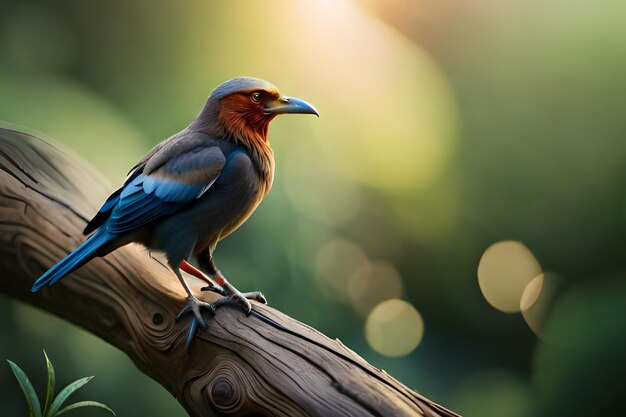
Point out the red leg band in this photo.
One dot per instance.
(221, 281)
(192, 270)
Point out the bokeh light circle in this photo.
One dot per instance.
(394, 328)
(537, 300)
(531, 293)
(504, 271)
(336, 262)
(374, 282)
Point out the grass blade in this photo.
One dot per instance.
(32, 402)
(84, 404)
(51, 382)
(65, 393)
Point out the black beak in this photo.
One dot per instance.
(285, 105)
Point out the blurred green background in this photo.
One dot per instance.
(457, 214)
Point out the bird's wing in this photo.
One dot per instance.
(164, 191)
(169, 148)
(173, 176)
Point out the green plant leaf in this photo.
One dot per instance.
(32, 402)
(84, 404)
(51, 382)
(65, 393)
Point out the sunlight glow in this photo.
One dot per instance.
(387, 112)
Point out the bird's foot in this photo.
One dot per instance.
(193, 308)
(241, 300)
(215, 288)
(232, 296)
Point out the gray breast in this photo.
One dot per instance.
(230, 201)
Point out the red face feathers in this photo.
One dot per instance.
(241, 109)
(244, 115)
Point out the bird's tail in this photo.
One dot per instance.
(80, 256)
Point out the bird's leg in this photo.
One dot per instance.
(192, 305)
(231, 294)
(192, 270)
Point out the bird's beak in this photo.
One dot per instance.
(284, 105)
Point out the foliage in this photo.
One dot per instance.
(52, 405)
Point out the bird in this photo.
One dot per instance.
(191, 191)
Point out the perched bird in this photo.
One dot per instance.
(192, 190)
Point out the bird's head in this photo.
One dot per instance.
(243, 108)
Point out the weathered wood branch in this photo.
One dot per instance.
(265, 364)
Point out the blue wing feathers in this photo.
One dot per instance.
(81, 255)
(174, 191)
(103, 213)
(157, 187)
(148, 198)
(108, 206)
(134, 217)
(111, 201)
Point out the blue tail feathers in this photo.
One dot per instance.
(80, 256)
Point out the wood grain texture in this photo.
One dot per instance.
(265, 364)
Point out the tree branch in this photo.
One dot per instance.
(265, 364)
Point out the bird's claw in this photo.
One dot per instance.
(191, 333)
(255, 295)
(241, 300)
(193, 307)
(233, 296)
(230, 296)
(215, 288)
(236, 299)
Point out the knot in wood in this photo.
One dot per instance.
(157, 324)
(157, 319)
(224, 395)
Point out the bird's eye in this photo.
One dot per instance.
(256, 96)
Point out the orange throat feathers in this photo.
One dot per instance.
(249, 125)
